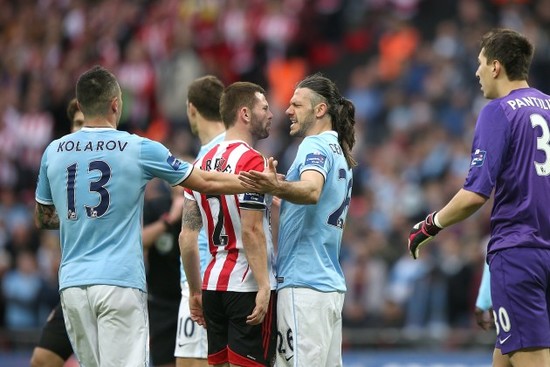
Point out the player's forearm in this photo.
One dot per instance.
(462, 205)
(215, 183)
(190, 258)
(256, 254)
(45, 217)
(298, 192)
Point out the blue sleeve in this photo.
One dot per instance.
(159, 162)
(43, 193)
(313, 155)
(483, 300)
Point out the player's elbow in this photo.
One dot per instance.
(181, 241)
(472, 200)
(253, 234)
(312, 197)
(186, 243)
(38, 358)
(211, 187)
(37, 223)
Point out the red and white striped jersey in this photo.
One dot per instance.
(228, 269)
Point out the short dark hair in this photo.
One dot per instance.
(235, 96)
(511, 49)
(95, 90)
(205, 94)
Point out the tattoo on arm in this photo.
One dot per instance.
(46, 216)
(191, 217)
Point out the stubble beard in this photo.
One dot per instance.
(303, 127)
(259, 131)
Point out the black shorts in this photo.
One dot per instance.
(54, 335)
(230, 338)
(163, 327)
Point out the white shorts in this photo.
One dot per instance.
(191, 339)
(309, 328)
(107, 325)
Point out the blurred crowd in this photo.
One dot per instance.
(408, 66)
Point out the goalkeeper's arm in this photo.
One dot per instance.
(461, 206)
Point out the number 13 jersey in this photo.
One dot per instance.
(96, 179)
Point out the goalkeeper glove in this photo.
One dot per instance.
(422, 233)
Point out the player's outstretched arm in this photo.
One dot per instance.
(213, 182)
(266, 181)
(461, 206)
(305, 191)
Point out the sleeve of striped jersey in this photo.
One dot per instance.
(252, 200)
(188, 194)
(253, 161)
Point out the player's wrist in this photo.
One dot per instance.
(436, 220)
(430, 225)
(279, 189)
(264, 286)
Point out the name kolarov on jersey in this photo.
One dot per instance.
(529, 102)
(91, 146)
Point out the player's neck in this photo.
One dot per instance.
(320, 126)
(98, 122)
(510, 86)
(98, 126)
(209, 130)
(234, 133)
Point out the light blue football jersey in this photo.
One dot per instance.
(204, 253)
(96, 178)
(310, 236)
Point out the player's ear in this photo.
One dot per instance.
(320, 109)
(496, 68)
(115, 104)
(245, 114)
(191, 109)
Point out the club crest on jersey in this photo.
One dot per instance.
(478, 158)
(174, 162)
(316, 159)
(218, 164)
